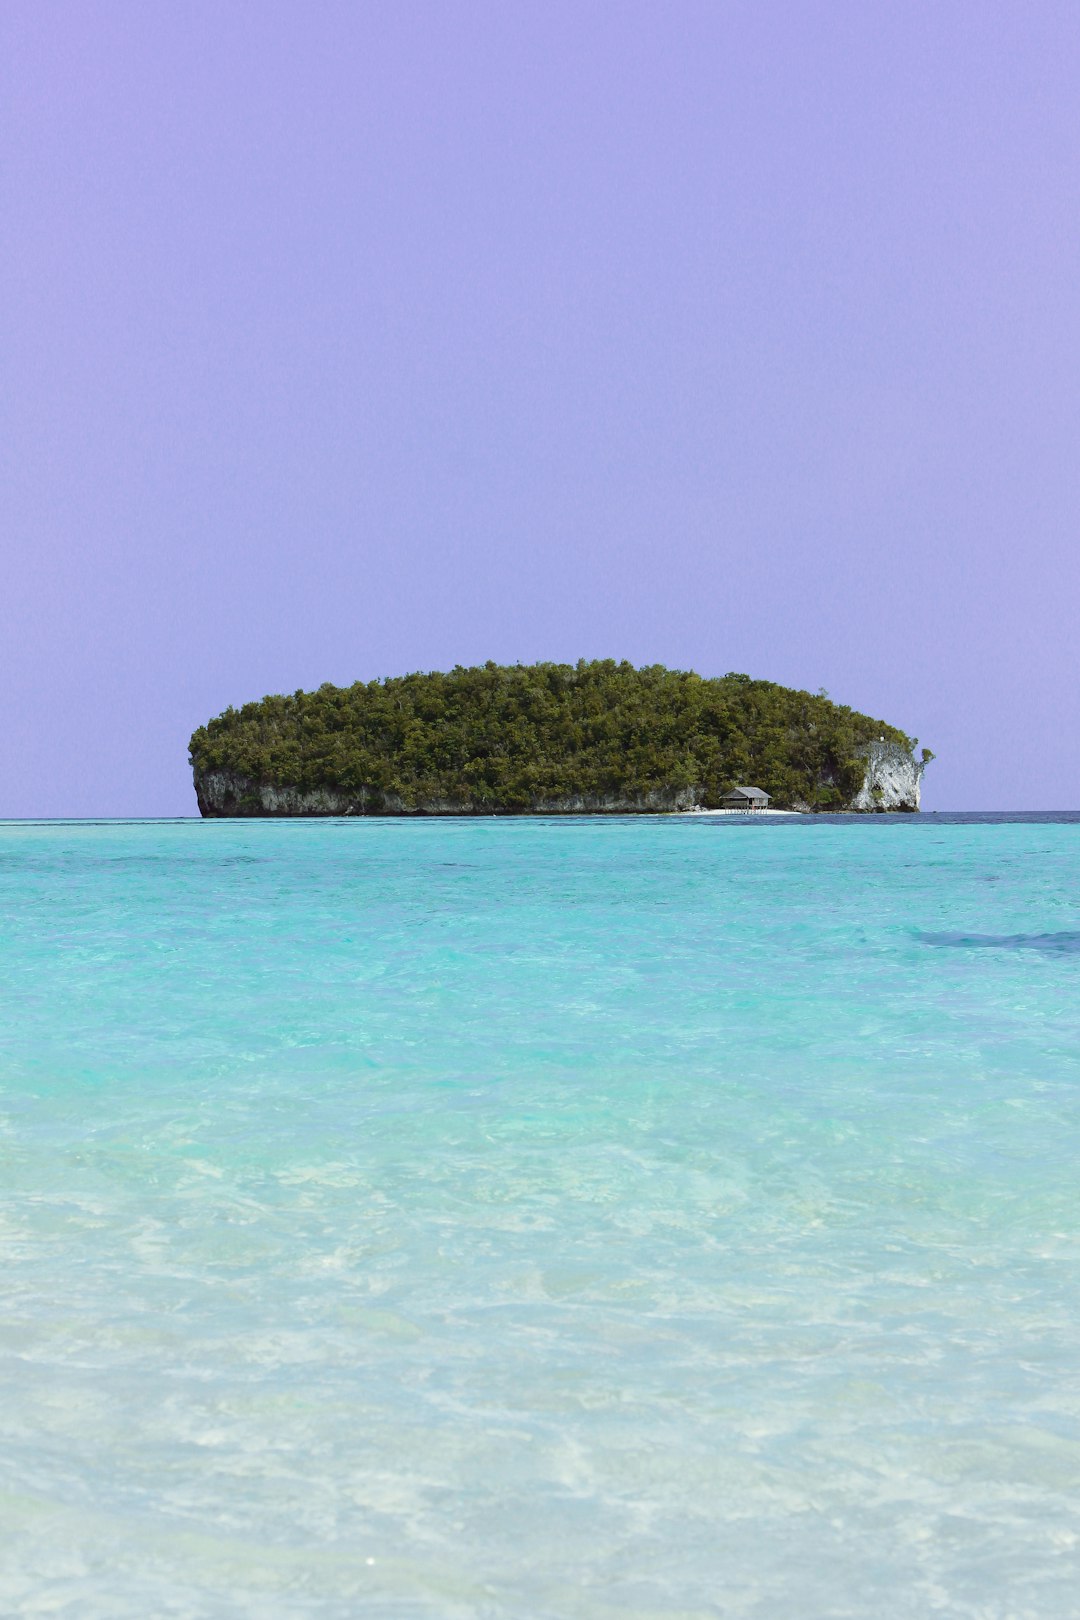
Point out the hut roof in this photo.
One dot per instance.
(746, 793)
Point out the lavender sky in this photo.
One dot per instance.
(340, 340)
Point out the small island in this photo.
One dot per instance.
(597, 737)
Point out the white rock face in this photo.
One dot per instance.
(893, 779)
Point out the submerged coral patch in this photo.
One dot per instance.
(1062, 942)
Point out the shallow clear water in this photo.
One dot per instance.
(557, 1220)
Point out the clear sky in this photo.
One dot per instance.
(340, 340)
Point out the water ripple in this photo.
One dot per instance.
(1064, 941)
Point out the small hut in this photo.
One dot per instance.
(744, 798)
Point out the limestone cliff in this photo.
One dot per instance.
(223, 793)
(893, 779)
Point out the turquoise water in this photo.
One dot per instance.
(558, 1220)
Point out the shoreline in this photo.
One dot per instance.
(746, 815)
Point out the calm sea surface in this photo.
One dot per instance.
(557, 1220)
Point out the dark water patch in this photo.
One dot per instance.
(183, 861)
(68, 860)
(1062, 943)
(182, 864)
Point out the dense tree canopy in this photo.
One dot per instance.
(506, 738)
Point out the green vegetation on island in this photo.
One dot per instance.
(596, 735)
